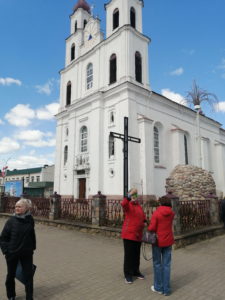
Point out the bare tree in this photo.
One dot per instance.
(196, 96)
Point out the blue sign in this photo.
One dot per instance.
(14, 188)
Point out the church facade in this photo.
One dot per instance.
(106, 79)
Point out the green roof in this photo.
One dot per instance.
(24, 171)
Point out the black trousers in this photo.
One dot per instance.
(26, 263)
(132, 251)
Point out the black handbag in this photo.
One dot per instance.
(149, 237)
(20, 275)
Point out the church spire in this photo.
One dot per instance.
(82, 4)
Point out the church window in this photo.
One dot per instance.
(85, 23)
(186, 150)
(111, 147)
(115, 18)
(73, 52)
(156, 145)
(75, 27)
(68, 93)
(65, 154)
(89, 76)
(90, 37)
(113, 69)
(132, 17)
(83, 139)
(138, 67)
(112, 117)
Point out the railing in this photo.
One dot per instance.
(9, 204)
(194, 214)
(40, 207)
(115, 214)
(76, 209)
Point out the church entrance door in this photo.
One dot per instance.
(82, 188)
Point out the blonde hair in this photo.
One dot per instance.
(25, 202)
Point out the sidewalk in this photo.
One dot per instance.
(78, 266)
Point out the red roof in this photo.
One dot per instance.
(82, 4)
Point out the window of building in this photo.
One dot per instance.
(38, 178)
(75, 27)
(186, 149)
(89, 76)
(112, 117)
(113, 69)
(65, 154)
(111, 147)
(156, 145)
(73, 52)
(83, 139)
(27, 179)
(68, 93)
(32, 178)
(85, 23)
(138, 67)
(132, 17)
(115, 18)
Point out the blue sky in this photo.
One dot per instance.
(188, 43)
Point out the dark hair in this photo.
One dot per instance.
(165, 201)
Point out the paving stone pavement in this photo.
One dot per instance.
(78, 266)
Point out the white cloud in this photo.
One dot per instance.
(1, 122)
(45, 88)
(47, 112)
(174, 96)
(36, 138)
(8, 145)
(177, 72)
(29, 161)
(220, 107)
(9, 81)
(20, 115)
(222, 65)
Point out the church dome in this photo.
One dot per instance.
(82, 4)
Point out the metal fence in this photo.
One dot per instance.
(194, 215)
(79, 210)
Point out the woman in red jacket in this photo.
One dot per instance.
(132, 231)
(161, 222)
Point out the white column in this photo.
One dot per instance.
(146, 155)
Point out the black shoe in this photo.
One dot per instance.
(128, 279)
(139, 275)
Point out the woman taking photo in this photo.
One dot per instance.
(132, 231)
(17, 242)
(162, 222)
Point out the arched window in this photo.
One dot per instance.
(85, 23)
(113, 69)
(73, 52)
(138, 67)
(89, 76)
(132, 17)
(83, 139)
(156, 145)
(112, 117)
(186, 149)
(115, 18)
(65, 154)
(111, 146)
(75, 27)
(68, 93)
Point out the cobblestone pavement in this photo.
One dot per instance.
(78, 266)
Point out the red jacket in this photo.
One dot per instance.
(161, 222)
(133, 224)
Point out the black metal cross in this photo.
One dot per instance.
(125, 139)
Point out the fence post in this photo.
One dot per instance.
(2, 202)
(176, 208)
(214, 208)
(98, 209)
(54, 206)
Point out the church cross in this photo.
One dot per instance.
(126, 138)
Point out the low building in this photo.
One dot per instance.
(37, 181)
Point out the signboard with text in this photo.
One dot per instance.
(14, 188)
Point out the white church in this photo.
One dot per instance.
(106, 79)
